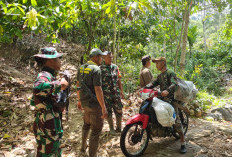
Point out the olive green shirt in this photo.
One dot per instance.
(90, 74)
(167, 81)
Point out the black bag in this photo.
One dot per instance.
(61, 100)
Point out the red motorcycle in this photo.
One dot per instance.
(143, 126)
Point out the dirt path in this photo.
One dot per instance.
(17, 140)
(204, 139)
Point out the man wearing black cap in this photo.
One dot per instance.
(145, 73)
(91, 98)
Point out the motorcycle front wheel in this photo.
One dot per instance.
(134, 140)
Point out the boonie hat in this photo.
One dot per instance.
(107, 52)
(146, 58)
(95, 52)
(48, 53)
(159, 59)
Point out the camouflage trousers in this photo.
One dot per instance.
(178, 125)
(47, 148)
(48, 132)
(113, 104)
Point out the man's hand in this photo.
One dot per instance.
(164, 93)
(64, 84)
(79, 105)
(104, 114)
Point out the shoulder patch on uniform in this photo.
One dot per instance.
(85, 70)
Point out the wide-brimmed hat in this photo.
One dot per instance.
(48, 53)
(159, 59)
(95, 52)
(107, 52)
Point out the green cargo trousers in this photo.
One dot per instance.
(178, 125)
(94, 122)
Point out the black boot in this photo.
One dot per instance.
(183, 149)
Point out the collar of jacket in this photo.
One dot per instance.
(91, 63)
(50, 70)
(104, 64)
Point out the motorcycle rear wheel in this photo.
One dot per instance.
(134, 140)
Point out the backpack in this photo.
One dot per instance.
(185, 90)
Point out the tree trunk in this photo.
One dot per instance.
(178, 47)
(204, 29)
(218, 30)
(114, 41)
(118, 43)
(164, 47)
(183, 49)
(190, 53)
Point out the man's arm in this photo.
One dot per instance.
(173, 85)
(120, 83)
(100, 98)
(171, 88)
(120, 87)
(78, 97)
(153, 84)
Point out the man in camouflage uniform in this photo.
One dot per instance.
(113, 91)
(167, 83)
(47, 125)
(145, 73)
(91, 98)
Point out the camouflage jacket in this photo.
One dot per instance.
(110, 77)
(167, 81)
(47, 116)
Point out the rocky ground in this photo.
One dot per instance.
(204, 138)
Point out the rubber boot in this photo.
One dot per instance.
(85, 134)
(119, 123)
(183, 149)
(111, 126)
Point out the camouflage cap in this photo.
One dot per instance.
(95, 52)
(48, 53)
(159, 59)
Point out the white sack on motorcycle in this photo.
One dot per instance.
(165, 113)
(186, 91)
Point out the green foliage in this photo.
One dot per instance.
(228, 27)
(192, 35)
(208, 101)
(205, 100)
(130, 72)
(207, 68)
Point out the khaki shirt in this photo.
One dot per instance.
(145, 76)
